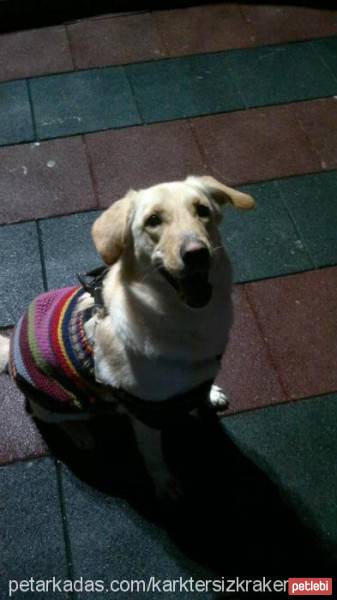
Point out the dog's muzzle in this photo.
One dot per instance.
(192, 283)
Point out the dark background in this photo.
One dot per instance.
(25, 14)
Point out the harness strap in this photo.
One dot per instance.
(94, 286)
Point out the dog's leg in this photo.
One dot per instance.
(149, 443)
(218, 398)
(4, 353)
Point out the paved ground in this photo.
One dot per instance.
(248, 94)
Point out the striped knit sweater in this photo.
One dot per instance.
(50, 354)
(52, 361)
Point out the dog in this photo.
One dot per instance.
(162, 325)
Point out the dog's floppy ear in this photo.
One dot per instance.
(221, 193)
(109, 231)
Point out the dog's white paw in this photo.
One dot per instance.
(218, 398)
(4, 353)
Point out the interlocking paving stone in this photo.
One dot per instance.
(138, 157)
(263, 242)
(68, 248)
(203, 29)
(255, 145)
(40, 180)
(17, 125)
(312, 201)
(19, 438)
(180, 87)
(297, 315)
(31, 526)
(327, 50)
(247, 375)
(296, 444)
(34, 52)
(318, 119)
(20, 270)
(118, 40)
(80, 102)
(128, 546)
(277, 24)
(275, 74)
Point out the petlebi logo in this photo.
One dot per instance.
(310, 586)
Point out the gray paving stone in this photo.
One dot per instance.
(263, 242)
(80, 102)
(68, 248)
(20, 270)
(296, 444)
(16, 120)
(32, 543)
(111, 541)
(183, 87)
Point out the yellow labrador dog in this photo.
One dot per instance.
(166, 306)
(168, 292)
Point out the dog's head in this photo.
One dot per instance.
(169, 231)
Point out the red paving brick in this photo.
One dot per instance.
(203, 29)
(277, 24)
(298, 316)
(19, 437)
(141, 156)
(319, 121)
(247, 374)
(51, 178)
(34, 52)
(256, 145)
(119, 40)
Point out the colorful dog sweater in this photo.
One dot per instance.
(50, 353)
(52, 362)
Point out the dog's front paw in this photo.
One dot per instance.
(218, 399)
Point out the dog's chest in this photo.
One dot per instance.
(156, 379)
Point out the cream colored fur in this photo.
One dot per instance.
(151, 343)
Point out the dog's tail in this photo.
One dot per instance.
(4, 353)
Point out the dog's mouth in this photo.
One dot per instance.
(193, 288)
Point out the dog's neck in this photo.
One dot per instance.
(148, 337)
(149, 315)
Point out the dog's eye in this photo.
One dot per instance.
(202, 211)
(153, 221)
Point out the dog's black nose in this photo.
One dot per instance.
(195, 255)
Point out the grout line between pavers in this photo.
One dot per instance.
(91, 172)
(297, 228)
(32, 113)
(135, 100)
(288, 402)
(66, 536)
(199, 145)
(50, 217)
(321, 58)
(184, 117)
(70, 48)
(42, 256)
(268, 349)
(308, 42)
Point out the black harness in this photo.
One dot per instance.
(94, 286)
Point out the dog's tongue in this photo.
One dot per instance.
(195, 290)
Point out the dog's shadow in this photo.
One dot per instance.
(230, 518)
